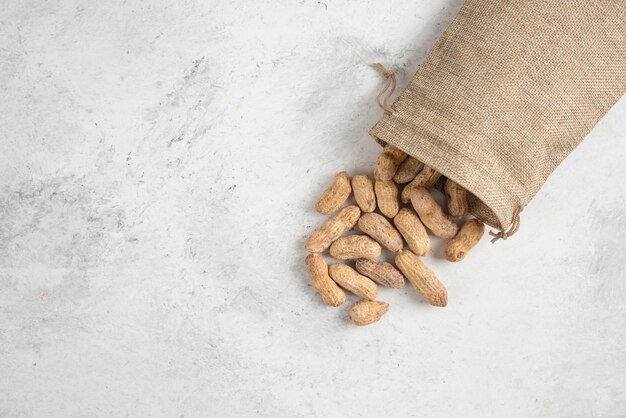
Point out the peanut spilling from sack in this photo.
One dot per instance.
(394, 213)
(367, 312)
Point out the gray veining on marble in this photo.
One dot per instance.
(159, 165)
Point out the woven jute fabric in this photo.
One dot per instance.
(507, 92)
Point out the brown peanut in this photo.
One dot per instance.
(387, 197)
(367, 312)
(364, 193)
(422, 278)
(408, 170)
(409, 225)
(335, 195)
(469, 235)
(332, 229)
(351, 280)
(325, 286)
(355, 246)
(379, 228)
(426, 178)
(431, 214)
(388, 162)
(457, 199)
(382, 273)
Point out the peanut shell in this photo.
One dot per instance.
(426, 178)
(388, 162)
(352, 281)
(408, 170)
(382, 273)
(355, 246)
(379, 228)
(422, 278)
(431, 214)
(325, 286)
(411, 228)
(367, 312)
(468, 236)
(336, 195)
(457, 199)
(387, 197)
(332, 229)
(364, 193)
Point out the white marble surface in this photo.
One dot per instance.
(159, 165)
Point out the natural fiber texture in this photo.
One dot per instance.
(510, 89)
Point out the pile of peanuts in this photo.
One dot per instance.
(410, 224)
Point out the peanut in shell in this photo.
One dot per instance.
(335, 195)
(363, 189)
(352, 281)
(457, 199)
(408, 170)
(355, 246)
(387, 197)
(422, 278)
(367, 312)
(382, 273)
(426, 178)
(431, 214)
(341, 222)
(325, 286)
(388, 162)
(412, 230)
(468, 236)
(379, 228)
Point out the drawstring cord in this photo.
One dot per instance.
(390, 85)
(512, 229)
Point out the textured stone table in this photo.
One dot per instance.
(159, 165)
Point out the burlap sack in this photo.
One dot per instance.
(510, 89)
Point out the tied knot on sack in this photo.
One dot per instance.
(512, 229)
(388, 88)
